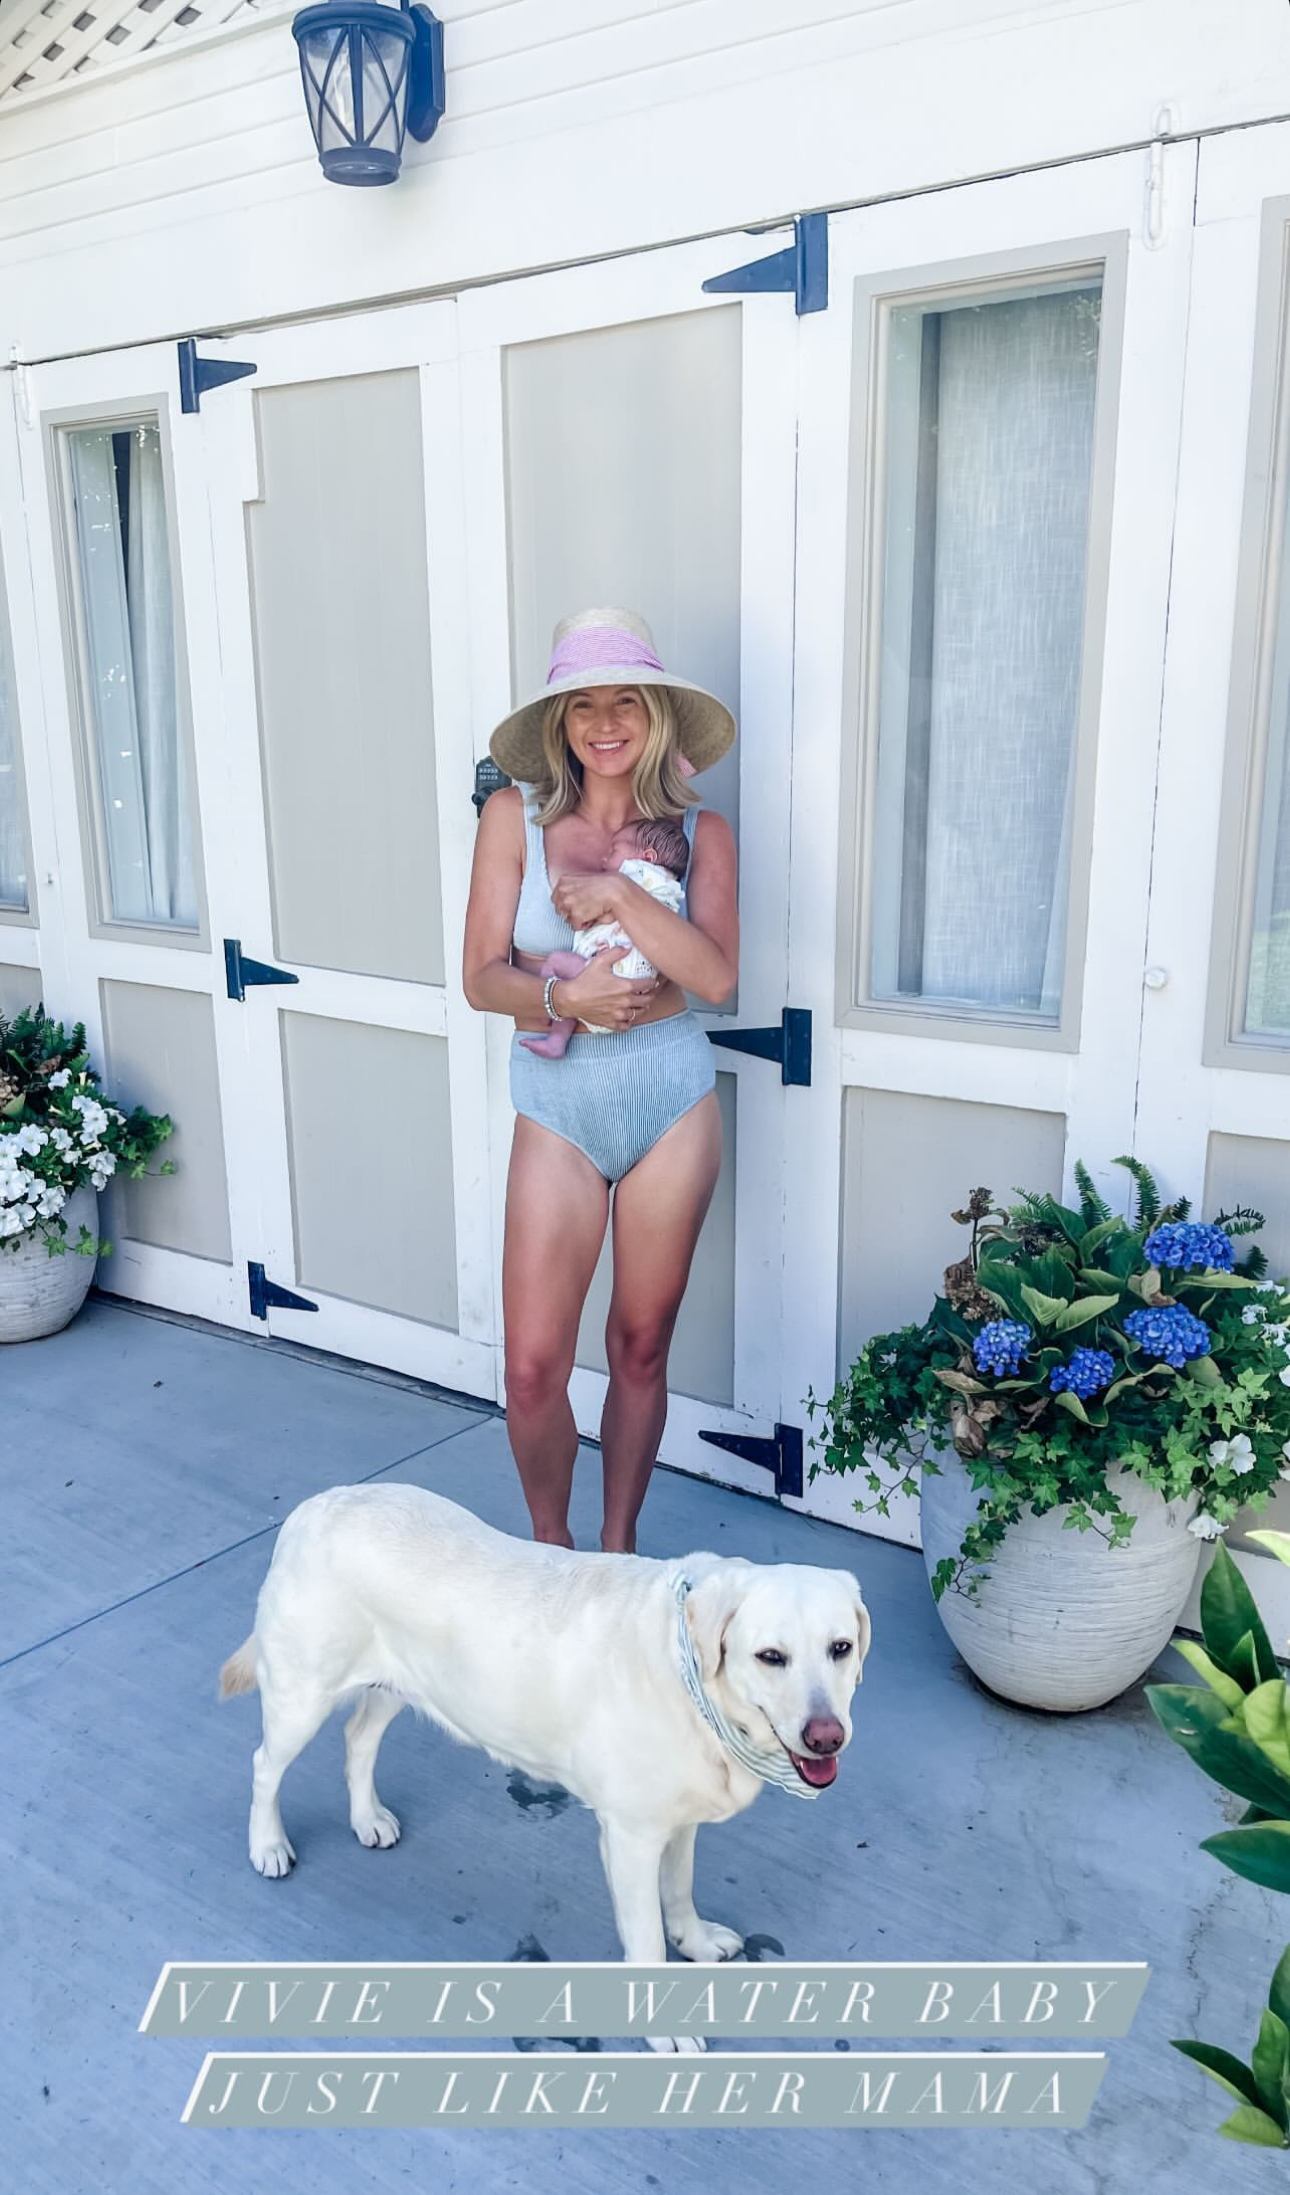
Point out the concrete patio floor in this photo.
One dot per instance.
(145, 1464)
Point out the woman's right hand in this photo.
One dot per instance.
(613, 1002)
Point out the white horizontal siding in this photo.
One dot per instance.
(183, 190)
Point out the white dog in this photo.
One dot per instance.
(658, 1703)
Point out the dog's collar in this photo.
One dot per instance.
(772, 1767)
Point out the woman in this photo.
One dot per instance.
(611, 738)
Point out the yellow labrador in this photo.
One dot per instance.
(661, 1694)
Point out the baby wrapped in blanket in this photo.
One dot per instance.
(654, 855)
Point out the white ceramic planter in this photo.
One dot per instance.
(1062, 1621)
(40, 1293)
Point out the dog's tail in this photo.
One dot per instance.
(238, 1673)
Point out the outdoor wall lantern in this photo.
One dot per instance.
(370, 72)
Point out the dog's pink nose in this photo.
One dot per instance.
(823, 1734)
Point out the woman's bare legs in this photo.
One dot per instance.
(557, 1204)
(659, 1208)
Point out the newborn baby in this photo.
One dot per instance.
(653, 855)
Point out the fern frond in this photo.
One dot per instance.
(1147, 1199)
(1242, 1221)
(1093, 1207)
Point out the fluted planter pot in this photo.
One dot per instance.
(1063, 1621)
(40, 1293)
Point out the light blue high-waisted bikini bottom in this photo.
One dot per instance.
(614, 1096)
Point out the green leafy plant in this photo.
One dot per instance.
(1237, 1729)
(1069, 1343)
(58, 1133)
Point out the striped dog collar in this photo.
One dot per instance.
(772, 1767)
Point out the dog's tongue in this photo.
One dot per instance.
(817, 1772)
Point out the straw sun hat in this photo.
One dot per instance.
(610, 647)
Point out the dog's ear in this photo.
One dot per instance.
(863, 1624)
(710, 1607)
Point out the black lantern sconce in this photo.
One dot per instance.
(370, 73)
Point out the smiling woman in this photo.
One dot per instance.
(607, 746)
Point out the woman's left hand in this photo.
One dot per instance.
(587, 900)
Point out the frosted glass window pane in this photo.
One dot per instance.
(125, 605)
(624, 458)
(988, 446)
(342, 634)
(13, 820)
(1267, 999)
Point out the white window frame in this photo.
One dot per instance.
(25, 917)
(101, 921)
(1261, 575)
(943, 287)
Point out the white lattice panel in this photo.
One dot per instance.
(44, 42)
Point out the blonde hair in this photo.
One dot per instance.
(658, 787)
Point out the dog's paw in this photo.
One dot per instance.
(685, 2046)
(707, 1942)
(274, 1858)
(379, 1829)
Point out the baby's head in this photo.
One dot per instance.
(661, 840)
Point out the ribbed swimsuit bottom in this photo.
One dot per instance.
(613, 1097)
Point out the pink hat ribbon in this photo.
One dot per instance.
(589, 647)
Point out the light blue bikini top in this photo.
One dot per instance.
(539, 927)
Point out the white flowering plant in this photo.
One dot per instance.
(1069, 1342)
(58, 1133)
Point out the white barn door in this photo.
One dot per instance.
(252, 820)
(989, 431)
(626, 438)
(1214, 1104)
(338, 554)
(134, 845)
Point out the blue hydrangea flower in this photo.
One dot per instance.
(1000, 1346)
(1186, 1246)
(1088, 1370)
(1169, 1332)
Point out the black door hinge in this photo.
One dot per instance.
(802, 267)
(266, 1295)
(782, 1455)
(197, 375)
(488, 779)
(240, 973)
(790, 1044)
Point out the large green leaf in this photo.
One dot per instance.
(1227, 1612)
(1082, 1310)
(1051, 1273)
(999, 1281)
(947, 1320)
(1243, 1662)
(1222, 2067)
(1277, 1543)
(1208, 1281)
(1071, 1223)
(1259, 1853)
(1121, 1254)
(1263, 1712)
(1227, 1688)
(1093, 1278)
(1270, 2065)
(1198, 1721)
(1131, 1379)
(1204, 1371)
(1279, 1988)
(1047, 1309)
(1249, 2124)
